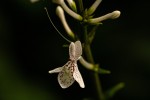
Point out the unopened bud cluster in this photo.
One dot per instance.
(72, 11)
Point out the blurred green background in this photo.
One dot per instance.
(30, 47)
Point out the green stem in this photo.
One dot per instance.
(95, 75)
(81, 8)
(89, 56)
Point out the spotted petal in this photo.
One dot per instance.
(77, 76)
(65, 77)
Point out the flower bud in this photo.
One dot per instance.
(68, 10)
(92, 9)
(112, 15)
(72, 5)
(60, 14)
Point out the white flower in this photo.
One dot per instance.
(69, 72)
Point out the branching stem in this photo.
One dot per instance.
(95, 75)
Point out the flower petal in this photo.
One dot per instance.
(65, 77)
(77, 76)
(56, 70)
(78, 50)
(72, 51)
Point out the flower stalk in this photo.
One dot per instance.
(89, 56)
(75, 49)
(86, 64)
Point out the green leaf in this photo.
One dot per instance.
(104, 71)
(100, 70)
(112, 91)
(91, 34)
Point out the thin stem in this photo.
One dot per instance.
(89, 56)
(55, 26)
(81, 7)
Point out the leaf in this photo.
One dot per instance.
(112, 91)
(91, 34)
(101, 70)
(104, 71)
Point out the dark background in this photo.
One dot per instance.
(30, 47)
